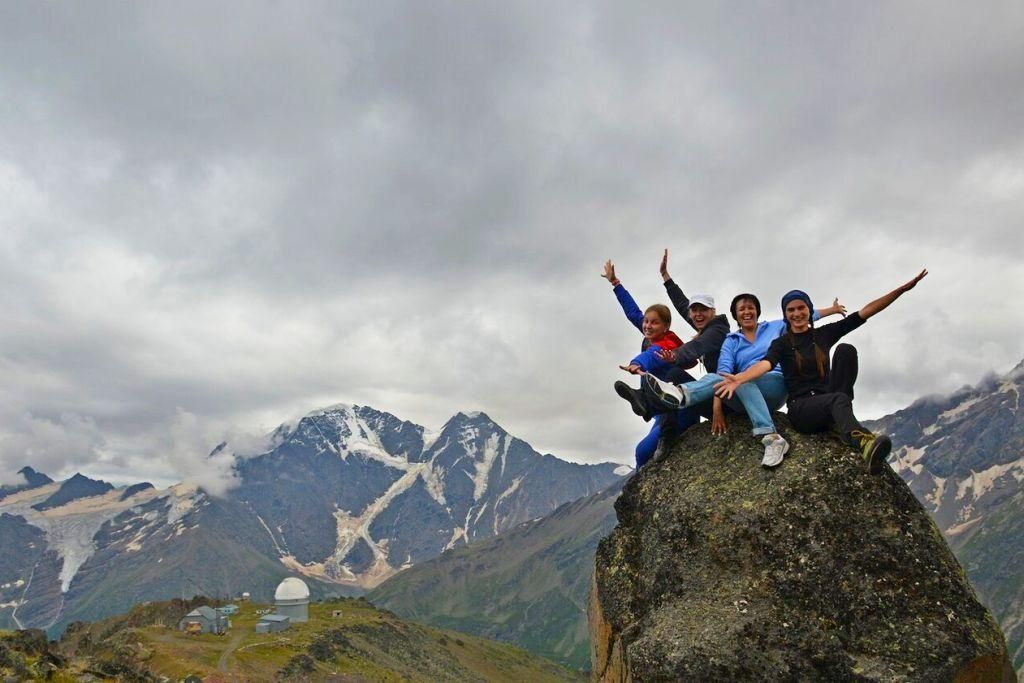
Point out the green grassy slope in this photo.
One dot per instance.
(362, 643)
(993, 558)
(527, 586)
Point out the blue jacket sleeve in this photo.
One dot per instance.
(629, 307)
(727, 360)
(649, 361)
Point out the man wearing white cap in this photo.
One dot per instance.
(699, 312)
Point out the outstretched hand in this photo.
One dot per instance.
(664, 267)
(666, 355)
(913, 283)
(633, 369)
(609, 271)
(727, 387)
(838, 307)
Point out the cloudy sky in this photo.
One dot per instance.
(217, 217)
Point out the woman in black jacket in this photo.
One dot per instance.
(820, 393)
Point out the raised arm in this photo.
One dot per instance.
(835, 308)
(629, 307)
(882, 302)
(675, 294)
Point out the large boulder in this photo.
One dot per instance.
(720, 570)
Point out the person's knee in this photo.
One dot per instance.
(645, 451)
(845, 352)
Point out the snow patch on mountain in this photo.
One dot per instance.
(350, 529)
(962, 526)
(459, 533)
(908, 459)
(484, 464)
(434, 484)
(496, 527)
(953, 413)
(70, 528)
(430, 437)
(184, 499)
(935, 497)
(283, 552)
(980, 483)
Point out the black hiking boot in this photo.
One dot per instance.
(876, 449)
(635, 398)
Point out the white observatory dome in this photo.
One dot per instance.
(291, 590)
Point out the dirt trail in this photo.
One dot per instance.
(222, 663)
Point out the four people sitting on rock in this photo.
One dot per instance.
(757, 369)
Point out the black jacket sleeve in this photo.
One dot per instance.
(833, 332)
(708, 341)
(679, 301)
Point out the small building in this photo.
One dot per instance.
(272, 623)
(204, 620)
(292, 599)
(228, 610)
(246, 597)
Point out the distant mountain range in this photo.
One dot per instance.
(346, 497)
(963, 456)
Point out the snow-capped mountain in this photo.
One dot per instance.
(364, 494)
(347, 497)
(963, 456)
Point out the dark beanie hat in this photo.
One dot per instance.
(792, 296)
(746, 295)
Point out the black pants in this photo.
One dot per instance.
(820, 411)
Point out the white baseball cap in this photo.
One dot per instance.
(703, 300)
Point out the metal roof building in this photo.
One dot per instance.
(209, 620)
(272, 623)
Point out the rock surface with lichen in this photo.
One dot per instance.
(722, 570)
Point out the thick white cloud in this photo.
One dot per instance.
(217, 217)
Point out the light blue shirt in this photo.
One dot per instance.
(739, 353)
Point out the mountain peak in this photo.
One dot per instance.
(78, 486)
(33, 477)
(471, 417)
(333, 409)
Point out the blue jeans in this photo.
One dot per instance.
(757, 398)
(681, 421)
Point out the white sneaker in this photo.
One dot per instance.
(775, 447)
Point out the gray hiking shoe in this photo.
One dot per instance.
(657, 400)
(775, 448)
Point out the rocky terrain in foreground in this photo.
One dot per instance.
(721, 570)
